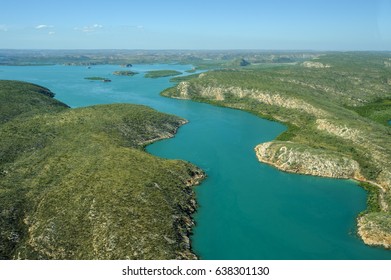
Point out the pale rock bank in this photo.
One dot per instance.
(296, 158)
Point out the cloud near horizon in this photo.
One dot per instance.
(42, 26)
(90, 28)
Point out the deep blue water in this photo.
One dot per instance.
(247, 210)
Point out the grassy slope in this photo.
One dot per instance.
(76, 183)
(341, 109)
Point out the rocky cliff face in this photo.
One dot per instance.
(219, 93)
(296, 158)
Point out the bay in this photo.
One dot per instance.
(247, 210)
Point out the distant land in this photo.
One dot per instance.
(202, 59)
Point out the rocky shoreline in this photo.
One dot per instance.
(372, 234)
(307, 161)
(184, 222)
(295, 158)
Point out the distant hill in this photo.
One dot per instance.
(201, 59)
(77, 183)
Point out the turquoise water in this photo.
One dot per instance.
(247, 210)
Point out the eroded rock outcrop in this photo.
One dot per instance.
(296, 158)
(373, 229)
(315, 64)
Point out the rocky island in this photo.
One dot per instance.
(77, 183)
(125, 73)
(336, 108)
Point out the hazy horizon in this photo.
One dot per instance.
(334, 25)
(197, 50)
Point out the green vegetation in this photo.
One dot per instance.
(379, 111)
(27, 100)
(372, 198)
(77, 184)
(183, 78)
(125, 73)
(335, 105)
(162, 73)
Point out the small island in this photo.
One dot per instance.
(124, 73)
(98, 79)
(162, 73)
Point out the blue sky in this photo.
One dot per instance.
(196, 24)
